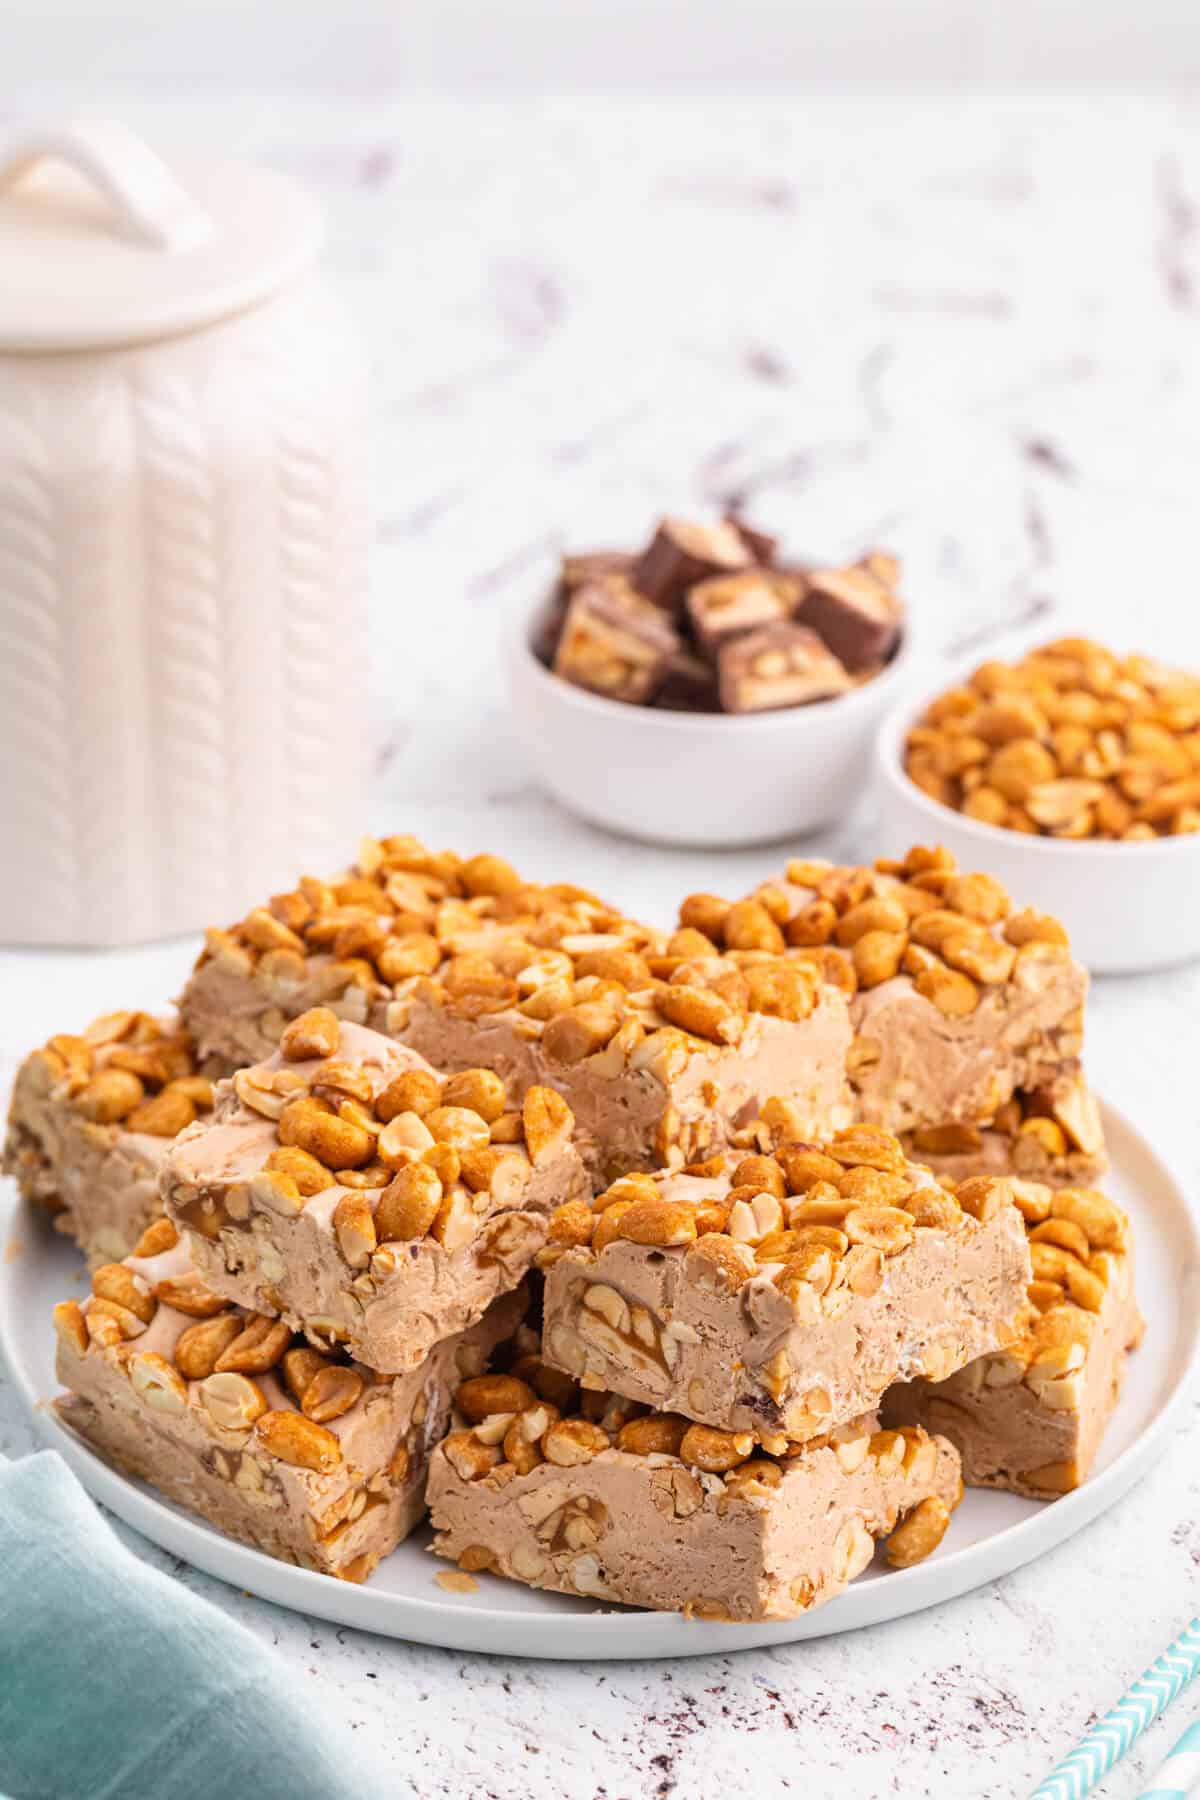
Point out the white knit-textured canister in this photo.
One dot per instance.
(182, 544)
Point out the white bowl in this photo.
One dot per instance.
(1127, 906)
(701, 779)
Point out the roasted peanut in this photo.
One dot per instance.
(919, 1533)
(198, 1349)
(299, 1441)
(409, 1205)
(574, 1441)
(315, 1033)
(658, 1222)
(110, 1096)
(416, 1090)
(655, 1434)
(714, 1451)
(257, 1347)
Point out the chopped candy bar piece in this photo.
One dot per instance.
(777, 665)
(855, 611)
(762, 546)
(614, 642)
(690, 685)
(725, 605)
(681, 554)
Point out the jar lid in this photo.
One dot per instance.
(102, 243)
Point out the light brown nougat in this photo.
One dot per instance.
(1052, 1135)
(1030, 1417)
(309, 1457)
(663, 1049)
(368, 1200)
(782, 1295)
(958, 1002)
(90, 1122)
(616, 1504)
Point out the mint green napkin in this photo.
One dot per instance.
(118, 1683)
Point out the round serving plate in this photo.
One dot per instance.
(990, 1534)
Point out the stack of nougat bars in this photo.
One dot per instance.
(675, 1268)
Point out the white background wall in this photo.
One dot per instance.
(523, 45)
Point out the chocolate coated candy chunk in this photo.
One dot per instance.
(725, 604)
(682, 554)
(855, 611)
(777, 665)
(614, 642)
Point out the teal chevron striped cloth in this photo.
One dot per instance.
(1111, 1736)
(119, 1683)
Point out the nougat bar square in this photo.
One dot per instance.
(369, 1201)
(616, 1504)
(615, 643)
(783, 1294)
(958, 999)
(1030, 1416)
(310, 1457)
(357, 941)
(91, 1119)
(663, 1055)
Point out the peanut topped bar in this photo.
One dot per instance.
(664, 1053)
(662, 1048)
(1030, 1417)
(353, 942)
(90, 1121)
(781, 1295)
(615, 1503)
(309, 1457)
(368, 1200)
(958, 1002)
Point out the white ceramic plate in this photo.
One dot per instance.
(990, 1534)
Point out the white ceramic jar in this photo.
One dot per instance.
(182, 544)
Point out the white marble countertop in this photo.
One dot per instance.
(966, 330)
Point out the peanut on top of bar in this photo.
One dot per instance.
(1072, 741)
(714, 597)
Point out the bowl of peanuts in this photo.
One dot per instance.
(1072, 773)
